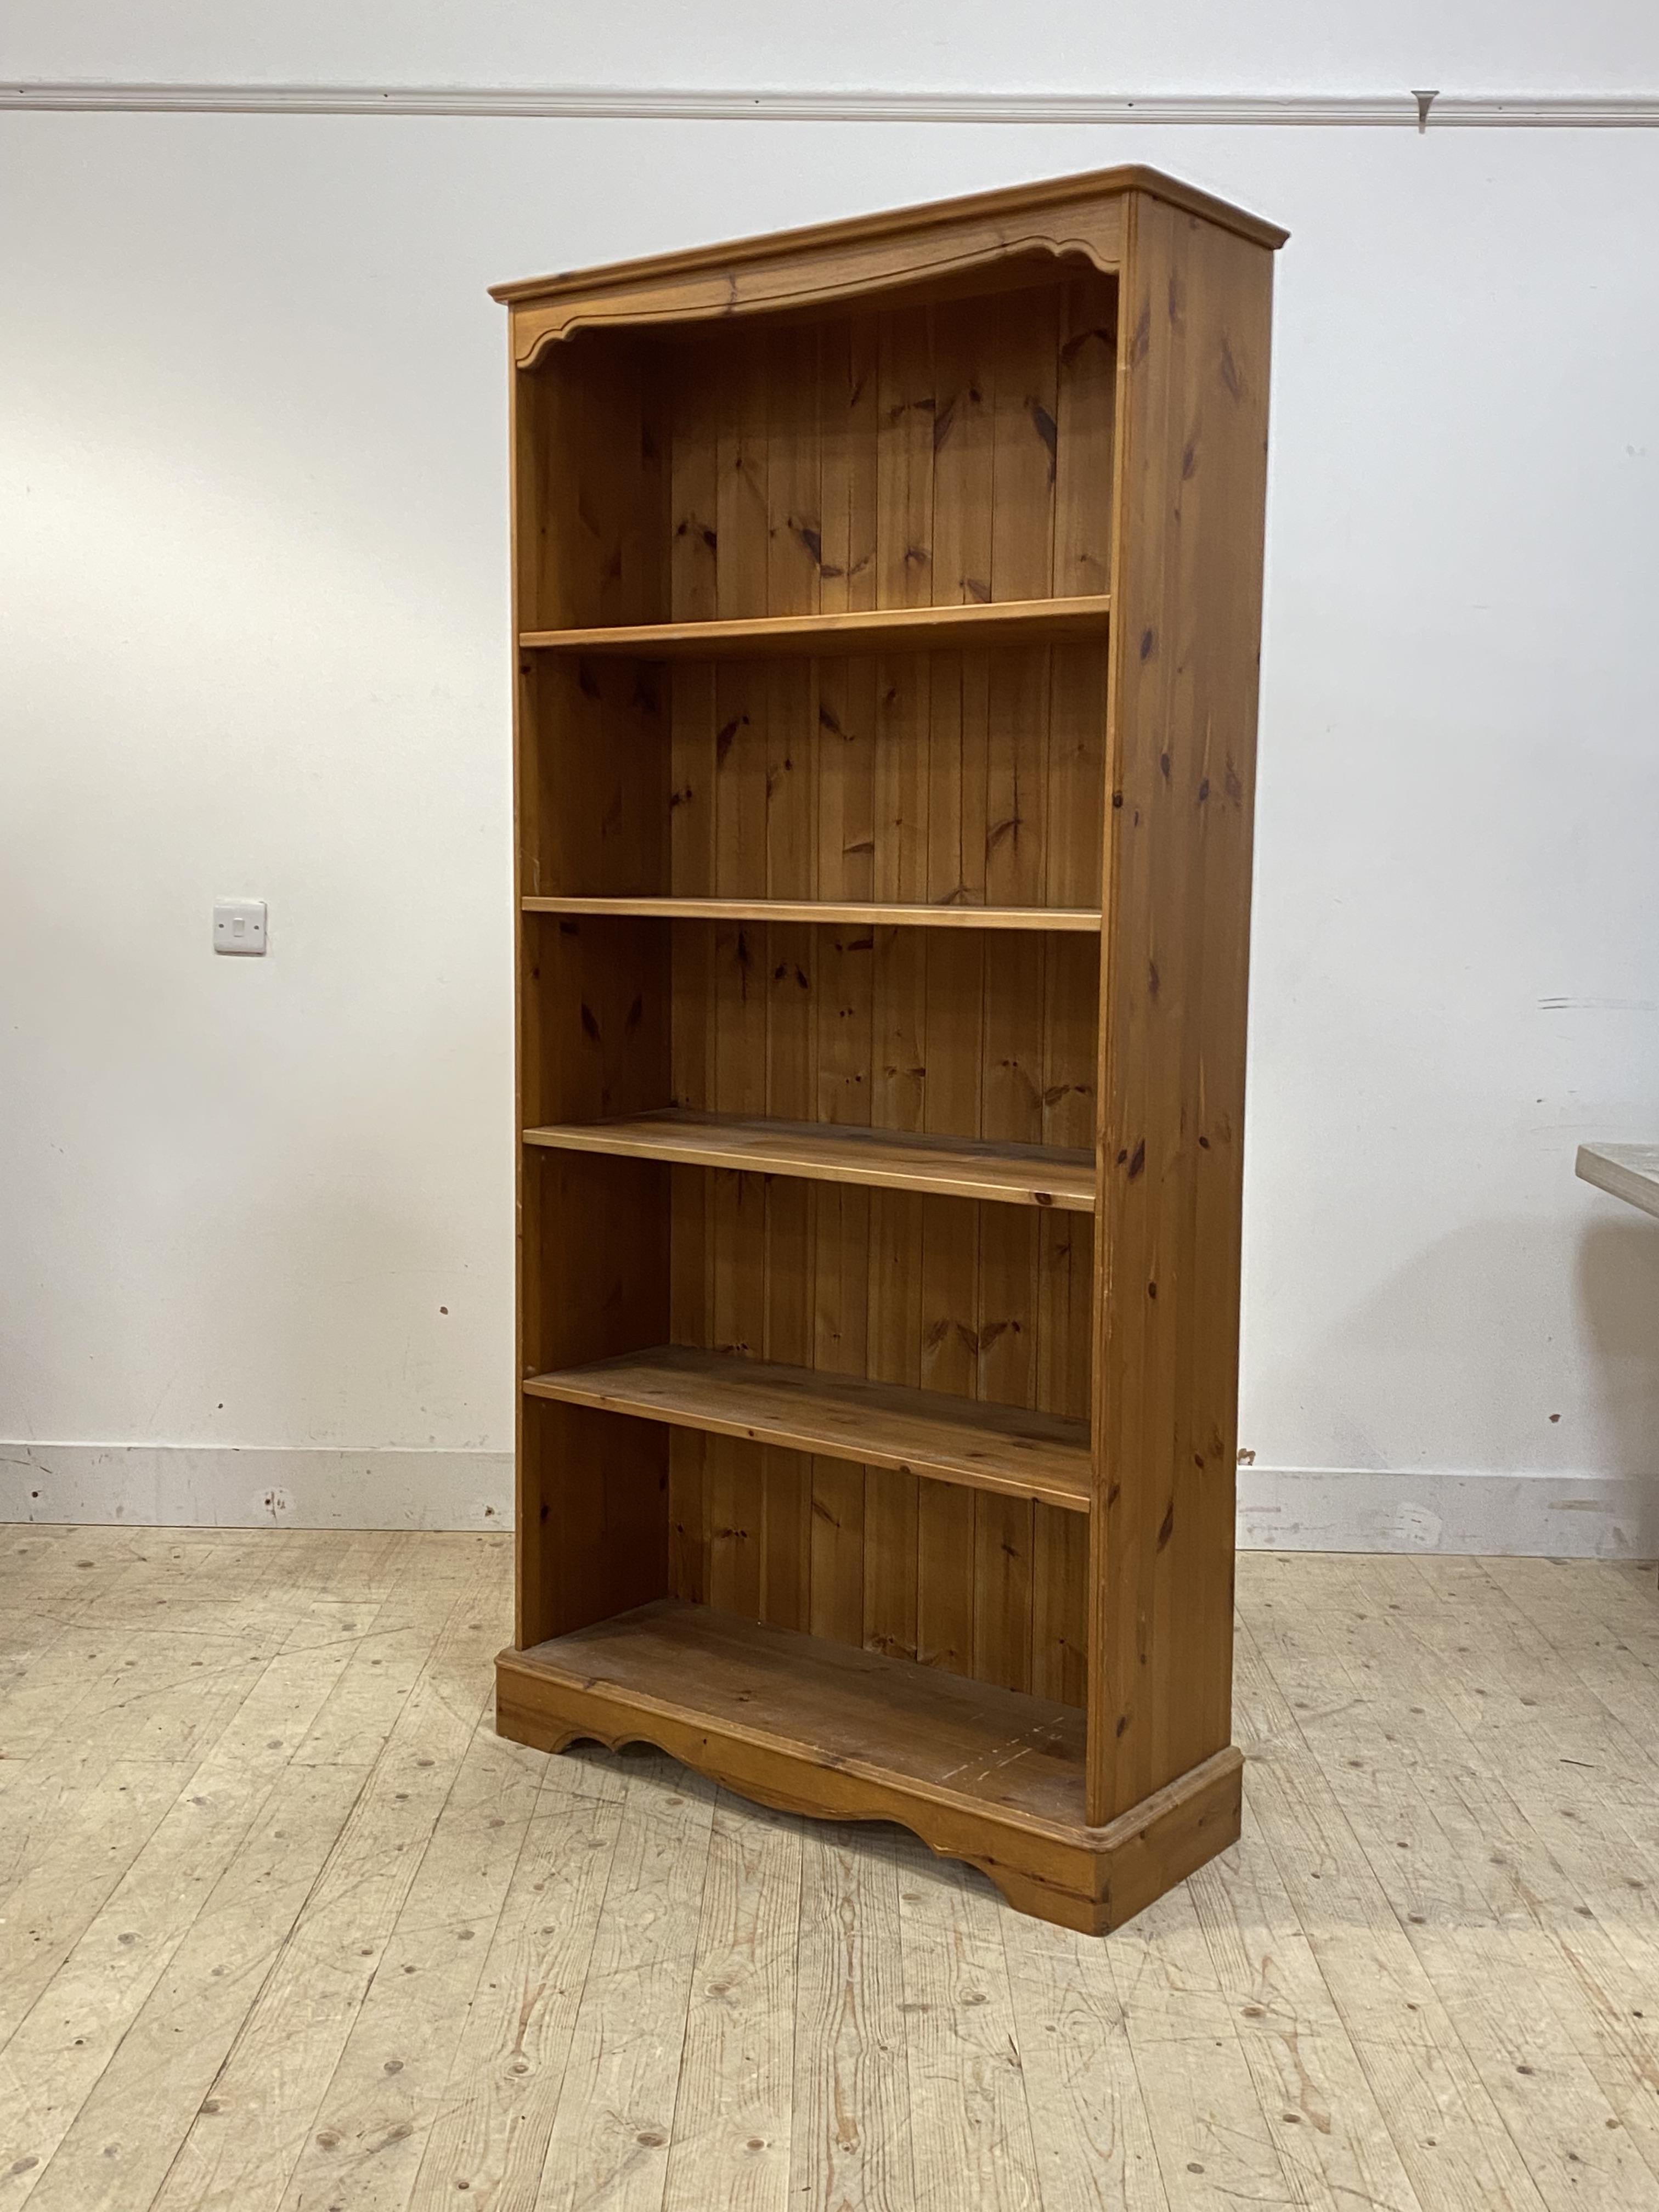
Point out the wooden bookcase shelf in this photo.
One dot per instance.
(886, 615)
(869, 630)
(1011, 1448)
(817, 913)
(820, 1151)
(807, 1723)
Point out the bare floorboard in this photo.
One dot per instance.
(283, 1925)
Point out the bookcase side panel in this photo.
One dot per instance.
(590, 486)
(591, 796)
(1186, 585)
(593, 1271)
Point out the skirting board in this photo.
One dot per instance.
(235, 1486)
(1525, 1516)
(1279, 1510)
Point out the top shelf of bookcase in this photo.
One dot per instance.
(916, 629)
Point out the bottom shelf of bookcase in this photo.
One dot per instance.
(811, 1726)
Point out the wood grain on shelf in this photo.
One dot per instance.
(804, 1722)
(819, 913)
(917, 628)
(1626, 1172)
(1012, 1449)
(968, 1740)
(880, 1159)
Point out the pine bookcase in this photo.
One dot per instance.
(887, 598)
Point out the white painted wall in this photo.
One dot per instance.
(252, 628)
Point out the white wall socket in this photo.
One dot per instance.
(238, 925)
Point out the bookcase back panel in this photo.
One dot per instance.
(990, 1588)
(960, 1033)
(922, 455)
(943, 778)
(979, 1301)
(962, 779)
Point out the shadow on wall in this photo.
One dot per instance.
(1617, 1288)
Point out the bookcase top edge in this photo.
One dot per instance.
(1013, 200)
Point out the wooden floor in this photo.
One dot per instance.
(284, 1928)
